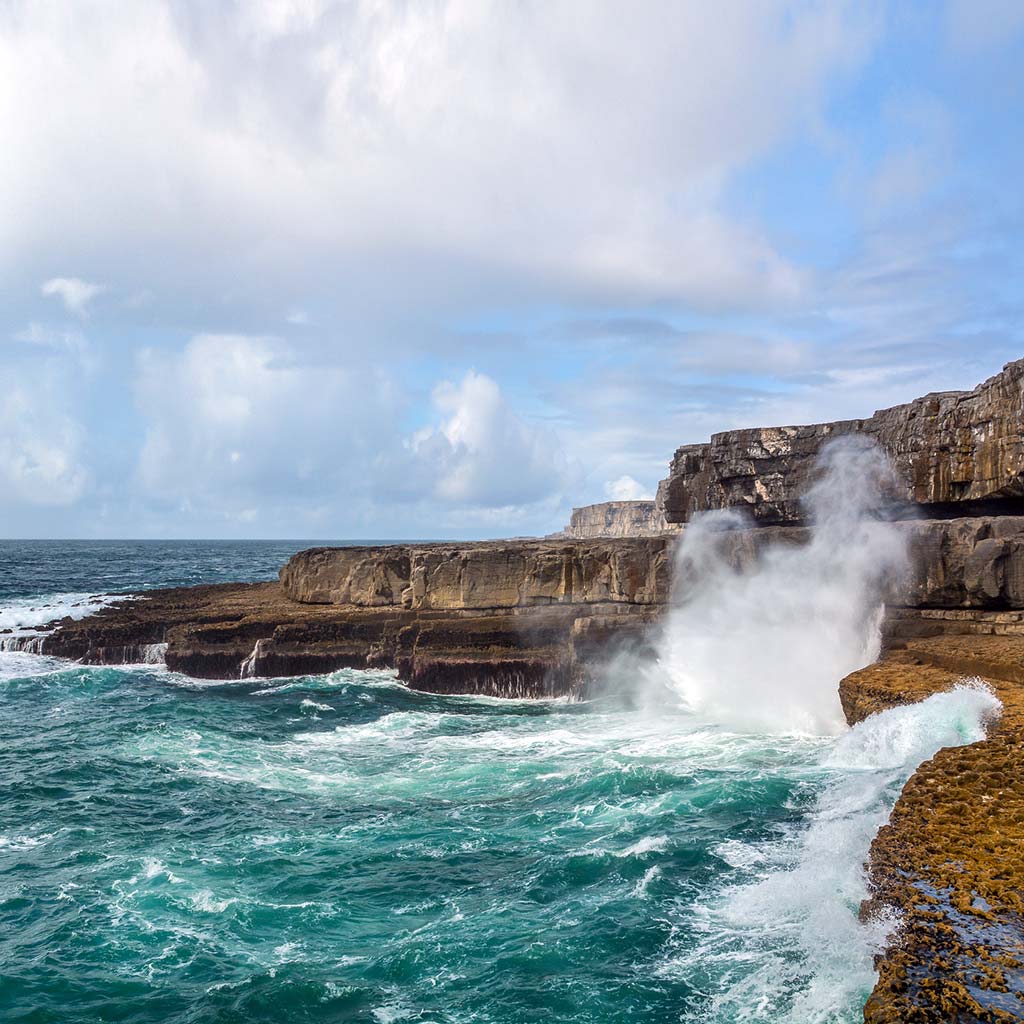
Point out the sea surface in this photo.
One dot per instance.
(339, 848)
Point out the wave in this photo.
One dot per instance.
(25, 613)
(783, 942)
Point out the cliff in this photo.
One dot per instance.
(617, 519)
(485, 576)
(523, 618)
(508, 619)
(958, 452)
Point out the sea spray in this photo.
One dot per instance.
(784, 943)
(758, 640)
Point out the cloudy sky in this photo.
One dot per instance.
(436, 269)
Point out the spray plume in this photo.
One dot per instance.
(759, 635)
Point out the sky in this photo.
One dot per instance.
(303, 269)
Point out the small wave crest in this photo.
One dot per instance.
(24, 613)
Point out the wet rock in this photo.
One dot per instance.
(950, 861)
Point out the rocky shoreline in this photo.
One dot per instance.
(950, 861)
(541, 618)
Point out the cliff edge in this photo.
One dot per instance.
(955, 453)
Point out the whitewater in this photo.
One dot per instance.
(341, 848)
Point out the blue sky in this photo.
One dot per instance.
(315, 270)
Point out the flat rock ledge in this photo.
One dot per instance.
(950, 861)
(524, 619)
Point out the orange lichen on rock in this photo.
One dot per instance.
(951, 859)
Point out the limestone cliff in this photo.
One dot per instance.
(485, 576)
(955, 450)
(617, 519)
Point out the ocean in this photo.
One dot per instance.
(340, 848)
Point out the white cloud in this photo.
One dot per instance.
(232, 419)
(75, 293)
(40, 444)
(482, 454)
(418, 152)
(239, 426)
(46, 337)
(625, 488)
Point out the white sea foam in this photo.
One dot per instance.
(21, 650)
(649, 844)
(640, 889)
(20, 843)
(785, 944)
(25, 613)
(312, 705)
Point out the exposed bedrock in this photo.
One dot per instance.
(969, 563)
(486, 576)
(524, 618)
(617, 519)
(953, 450)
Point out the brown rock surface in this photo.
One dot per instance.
(954, 449)
(511, 617)
(233, 630)
(486, 576)
(951, 858)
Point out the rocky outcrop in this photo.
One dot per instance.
(512, 619)
(487, 576)
(966, 563)
(950, 861)
(617, 519)
(957, 452)
(526, 618)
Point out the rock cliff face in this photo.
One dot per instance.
(526, 618)
(488, 576)
(955, 450)
(967, 563)
(617, 519)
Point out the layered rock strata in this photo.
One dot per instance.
(527, 618)
(950, 861)
(523, 619)
(956, 452)
(485, 576)
(617, 519)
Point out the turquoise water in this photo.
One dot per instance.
(339, 848)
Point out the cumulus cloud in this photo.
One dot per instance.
(232, 421)
(522, 146)
(625, 488)
(481, 454)
(75, 293)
